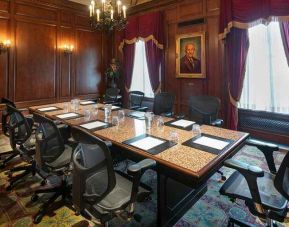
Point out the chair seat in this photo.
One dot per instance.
(118, 197)
(236, 187)
(63, 160)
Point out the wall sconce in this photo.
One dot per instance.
(68, 49)
(4, 46)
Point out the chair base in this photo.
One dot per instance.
(12, 154)
(64, 190)
(232, 221)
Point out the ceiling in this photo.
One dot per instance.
(125, 2)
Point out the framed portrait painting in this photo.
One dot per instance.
(190, 55)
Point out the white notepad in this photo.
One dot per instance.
(94, 124)
(87, 102)
(115, 107)
(183, 123)
(67, 115)
(48, 108)
(147, 143)
(210, 142)
(137, 114)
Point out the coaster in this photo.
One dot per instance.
(96, 125)
(149, 143)
(137, 114)
(181, 124)
(208, 143)
(68, 116)
(49, 109)
(85, 103)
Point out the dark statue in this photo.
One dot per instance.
(112, 74)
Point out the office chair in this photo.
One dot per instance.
(98, 191)
(111, 96)
(265, 194)
(52, 156)
(135, 100)
(204, 110)
(164, 104)
(22, 142)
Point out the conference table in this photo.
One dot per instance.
(182, 170)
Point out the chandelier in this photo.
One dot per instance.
(107, 16)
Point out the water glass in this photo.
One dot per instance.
(115, 120)
(94, 110)
(148, 120)
(174, 137)
(196, 129)
(66, 107)
(107, 110)
(86, 114)
(160, 123)
(121, 115)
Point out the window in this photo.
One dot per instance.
(140, 76)
(267, 72)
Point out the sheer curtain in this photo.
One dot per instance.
(140, 76)
(266, 84)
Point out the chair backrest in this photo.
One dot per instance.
(49, 142)
(111, 94)
(281, 180)
(203, 109)
(164, 103)
(5, 115)
(135, 98)
(18, 128)
(93, 172)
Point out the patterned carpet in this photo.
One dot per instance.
(212, 209)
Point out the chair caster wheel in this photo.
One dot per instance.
(34, 198)
(2, 165)
(44, 182)
(223, 178)
(37, 219)
(9, 188)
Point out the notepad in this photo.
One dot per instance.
(137, 114)
(183, 123)
(147, 143)
(95, 124)
(86, 102)
(48, 108)
(67, 115)
(115, 107)
(210, 142)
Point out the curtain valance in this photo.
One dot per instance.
(247, 13)
(148, 27)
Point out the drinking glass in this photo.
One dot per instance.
(148, 120)
(107, 110)
(94, 110)
(86, 114)
(174, 137)
(66, 107)
(160, 123)
(115, 120)
(196, 129)
(121, 115)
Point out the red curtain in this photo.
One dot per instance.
(236, 49)
(149, 28)
(246, 13)
(284, 28)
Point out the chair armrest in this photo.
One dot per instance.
(137, 170)
(134, 107)
(168, 114)
(217, 123)
(108, 143)
(250, 173)
(180, 116)
(143, 109)
(267, 149)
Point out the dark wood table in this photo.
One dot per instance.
(182, 171)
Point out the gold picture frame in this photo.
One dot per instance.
(191, 55)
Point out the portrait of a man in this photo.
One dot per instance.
(190, 54)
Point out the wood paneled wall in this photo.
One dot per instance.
(176, 11)
(36, 70)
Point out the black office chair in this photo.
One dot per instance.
(52, 156)
(204, 110)
(98, 191)
(265, 194)
(22, 142)
(111, 96)
(135, 99)
(164, 104)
